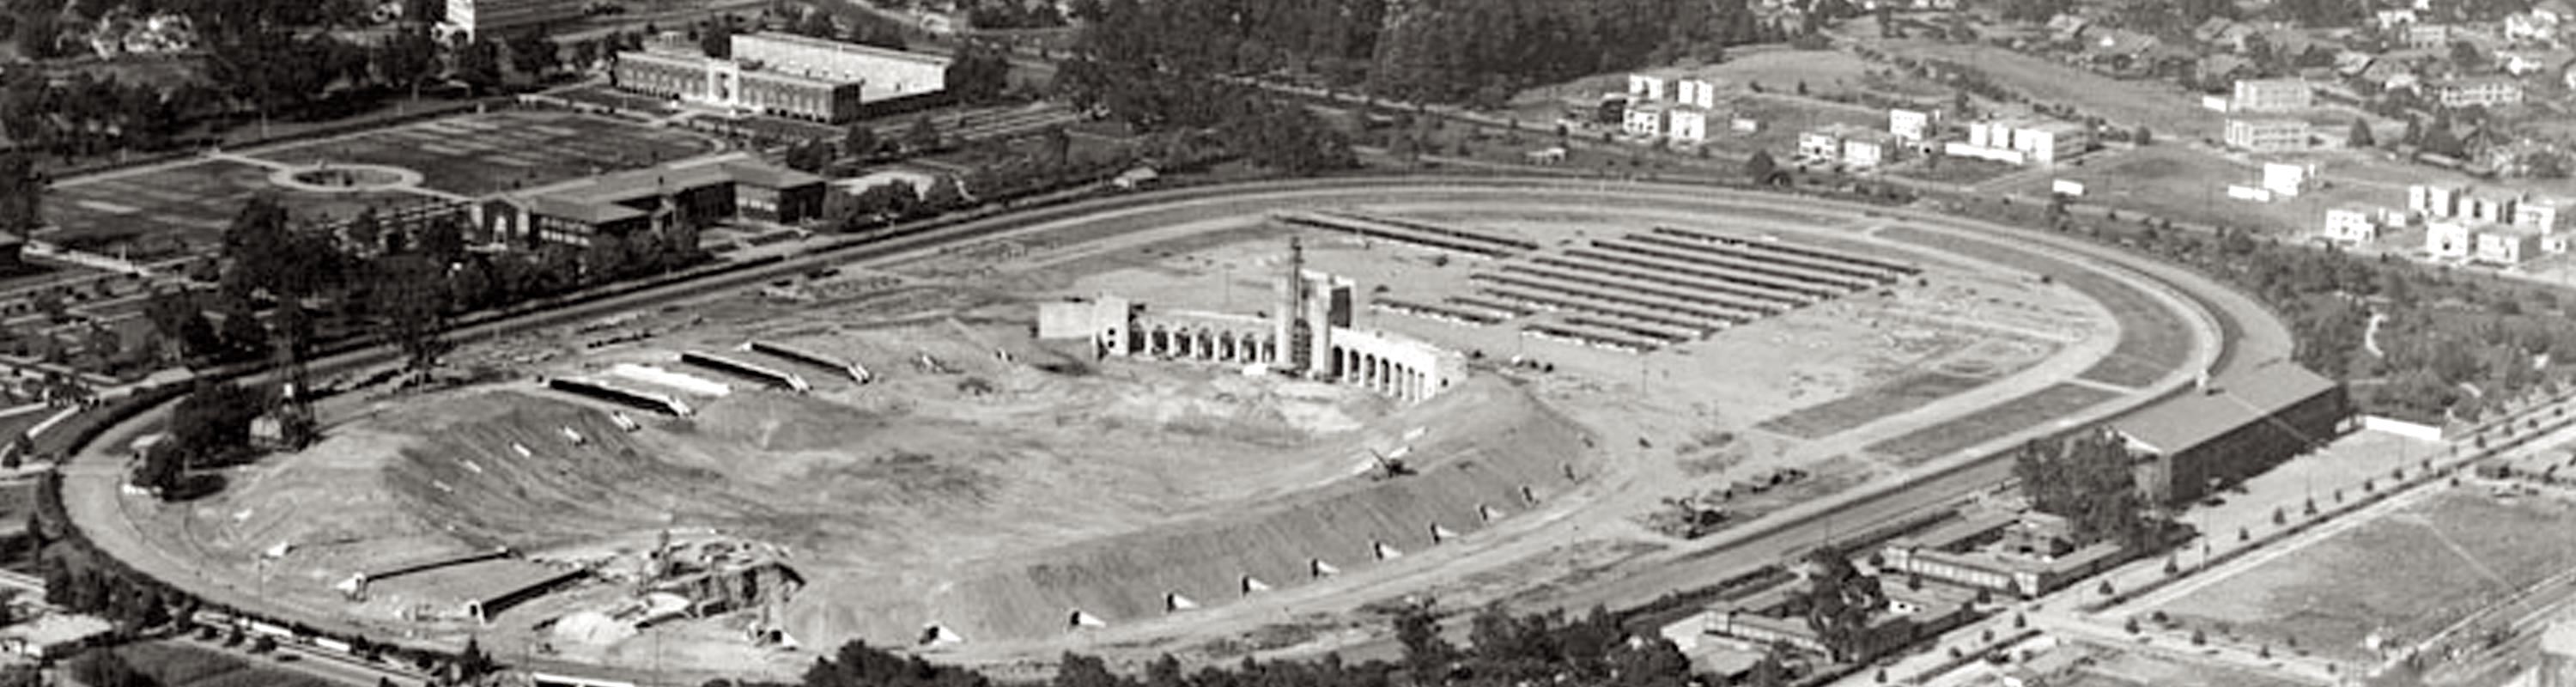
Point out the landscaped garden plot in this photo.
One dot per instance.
(479, 154)
(180, 209)
(2402, 576)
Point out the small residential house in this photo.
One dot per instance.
(2350, 226)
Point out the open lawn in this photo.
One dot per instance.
(2162, 107)
(2402, 576)
(478, 154)
(175, 210)
(2190, 185)
(1994, 421)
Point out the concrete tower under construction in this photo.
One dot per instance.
(1310, 306)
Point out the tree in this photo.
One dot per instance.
(2087, 480)
(213, 423)
(922, 137)
(978, 74)
(412, 299)
(1419, 631)
(408, 59)
(1760, 168)
(479, 65)
(716, 40)
(424, 12)
(534, 55)
(2360, 136)
(22, 193)
(860, 141)
(1840, 601)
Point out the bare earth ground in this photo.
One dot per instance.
(2400, 578)
(886, 492)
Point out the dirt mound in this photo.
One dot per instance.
(1483, 443)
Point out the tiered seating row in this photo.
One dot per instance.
(1554, 303)
(1714, 256)
(1858, 266)
(1716, 316)
(1596, 339)
(1437, 312)
(1515, 310)
(1739, 308)
(1807, 293)
(1768, 300)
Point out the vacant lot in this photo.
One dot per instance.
(2401, 577)
(2116, 668)
(2148, 346)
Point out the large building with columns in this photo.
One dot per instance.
(1307, 333)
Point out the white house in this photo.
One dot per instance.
(2284, 179)
(1911, 125)
(1686, 125)
(2506, 245)
(1697, 93)
(1646, 87)
(1643, 119)
(2447, 240)
(2350, 226)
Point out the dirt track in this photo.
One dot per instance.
(97, 507)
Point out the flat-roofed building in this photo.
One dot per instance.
(2271, 95)
(1643, 119)
(2267, 135)
(2506, 245)
(624, 203)
(2232, 428)
(1686, 125)
(473, 18)
(2350, 226)
(1911, 125)
(785, 75)
(2483, 91)
(2022, 141)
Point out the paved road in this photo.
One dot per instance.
(92, 480)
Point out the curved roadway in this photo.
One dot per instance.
(2231, 331)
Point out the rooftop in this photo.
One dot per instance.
(471, 582)
(2234, 401)
(58, 628)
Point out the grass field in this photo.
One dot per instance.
(2162, 107)
(2404, 575)
(1897, 396)
(480, 154)
(1994, 421)
(176, 664)
(2190, 185)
